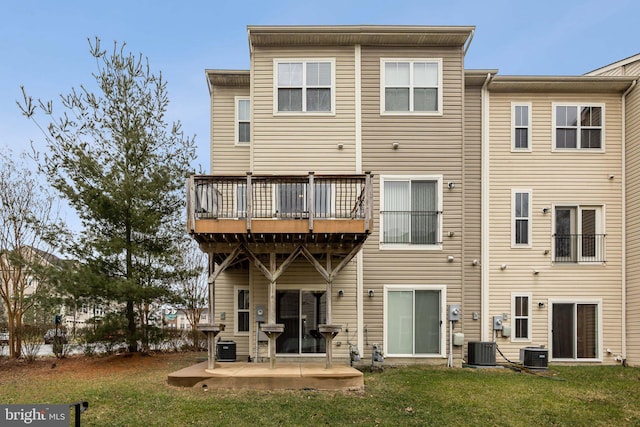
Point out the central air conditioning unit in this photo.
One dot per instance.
(534, 357)
(226, 351)
(482, 353)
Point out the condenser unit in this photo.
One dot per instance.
(534, 357)
(226, 351)
(482, 353)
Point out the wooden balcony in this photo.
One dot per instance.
(325, 213)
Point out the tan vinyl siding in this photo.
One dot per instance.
(428, 145)
(226, 285)
(633, 227)
(302, 276)
(279, 139)
(471, 188)
(555, 178)
(226, 156)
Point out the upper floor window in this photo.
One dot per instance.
(578, 127)
(243, 120)
(411, 86)
(521, 127)
(304, 86)
(521, 217)
(412, 208)
(579, 234)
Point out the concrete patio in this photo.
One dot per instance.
(258, 376)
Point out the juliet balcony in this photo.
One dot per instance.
(326, 212)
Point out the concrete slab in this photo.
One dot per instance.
(258, 376)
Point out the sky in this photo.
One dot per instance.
(44, 44)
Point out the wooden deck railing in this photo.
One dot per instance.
(309, 197)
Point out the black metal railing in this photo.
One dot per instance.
(280, 197)
(574, 248)
(411, 227)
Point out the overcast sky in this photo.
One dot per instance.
(43, 43)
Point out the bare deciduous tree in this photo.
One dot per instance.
(26, 221)
(192, 288)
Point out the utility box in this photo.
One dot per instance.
(534, 357)
(226, 351)
(482, 353)
(497, 323)
(458, 338)
(455, 312)
(261, 313)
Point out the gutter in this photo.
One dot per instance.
(624, 220)
(484, 213)
(466, 47)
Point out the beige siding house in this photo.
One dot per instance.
(555, 204)
(367, 193)
(328, 105)
(630, 67)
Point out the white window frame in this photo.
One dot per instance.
(529, 243)
(411, 61)
(529, 297)
(600, 230)
(304, 62)
(599, 330)
(237, 311)
(237, 121)
(443, 314)
(579, 106)
(400, 246)
(514, 126)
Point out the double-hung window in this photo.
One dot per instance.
(242, 311)
(243, 120)
(521, 127)
(411, 86)
(304, 86)
(521, 218)
(578, 127)
(521, 315)
(579, 234)
(411, 215)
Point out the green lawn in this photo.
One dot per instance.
(134, 392)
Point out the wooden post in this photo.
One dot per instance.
(328, 338)
(272, 310)
(211, 338)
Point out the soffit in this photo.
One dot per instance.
(560, 84)
(363, 35)
(228, 77)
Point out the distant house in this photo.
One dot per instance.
(364, 186)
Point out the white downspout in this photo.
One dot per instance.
(624, 219)
(484, 215)
(358, 170)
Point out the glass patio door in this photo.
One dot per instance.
(574, 331)
(301, 312)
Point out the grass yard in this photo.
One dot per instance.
(133, 391)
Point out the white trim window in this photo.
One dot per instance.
(578, 127)
(414, 321)
(411, 86)
(521, 126)
(521, 315)
(575, 328)
(242, 316)
(411, 215)
(579, 234)
(521, 218)
(243, 120)
(304, 86)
